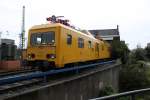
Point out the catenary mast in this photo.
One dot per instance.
(22, 35)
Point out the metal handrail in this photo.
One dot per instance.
(124, 94)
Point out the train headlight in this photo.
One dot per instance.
(51, 56)
(30, 56)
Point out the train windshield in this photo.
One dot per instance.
(43, 38)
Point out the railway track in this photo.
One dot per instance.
(8, 73)
(8, 89)
(17, 88)
(38, 74)
(11, 84)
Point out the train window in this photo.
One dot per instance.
(35, 38)
(89, 44)
(102, 47)
(97, 47)
(48, 38)
(69, 39)
(42, 38)
(38, 40)
(80, 43)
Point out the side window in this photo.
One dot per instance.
(80, 43)
(89, 44)
(97, 47)
(102, 47)
(69, 39)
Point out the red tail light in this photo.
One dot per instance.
(33, 55)
(52, 56)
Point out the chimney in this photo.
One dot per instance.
(118, 27)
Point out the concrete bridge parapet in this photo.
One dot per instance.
(79, 87)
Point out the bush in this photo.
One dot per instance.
(107, 90)
(134, 76)
(140, 54)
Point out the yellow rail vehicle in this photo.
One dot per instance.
(56, 45)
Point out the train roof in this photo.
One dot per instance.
(42, 26)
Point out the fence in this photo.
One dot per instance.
(131, 94)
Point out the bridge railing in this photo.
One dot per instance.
(131, 94)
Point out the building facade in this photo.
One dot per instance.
(8, 49)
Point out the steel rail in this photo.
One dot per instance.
(13, 86)
(7, 73)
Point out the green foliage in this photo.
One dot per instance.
(134, 73)
(140, 54)
(147, 49)
(134, 76)
(136, 55)
(108, 90)
(120, 50)
(124, 98)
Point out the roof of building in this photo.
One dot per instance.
(7, 41)
(106, 32)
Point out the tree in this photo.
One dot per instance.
(134, 76)
(140, 54)
(147, 49)
(135, 73)
(120, 50)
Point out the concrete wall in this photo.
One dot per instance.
(82, 88)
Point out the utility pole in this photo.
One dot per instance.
(0, 37)
(0, 44)
(22, 36)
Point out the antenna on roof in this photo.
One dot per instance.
(57, 19)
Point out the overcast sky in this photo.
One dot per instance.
(132, 16)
